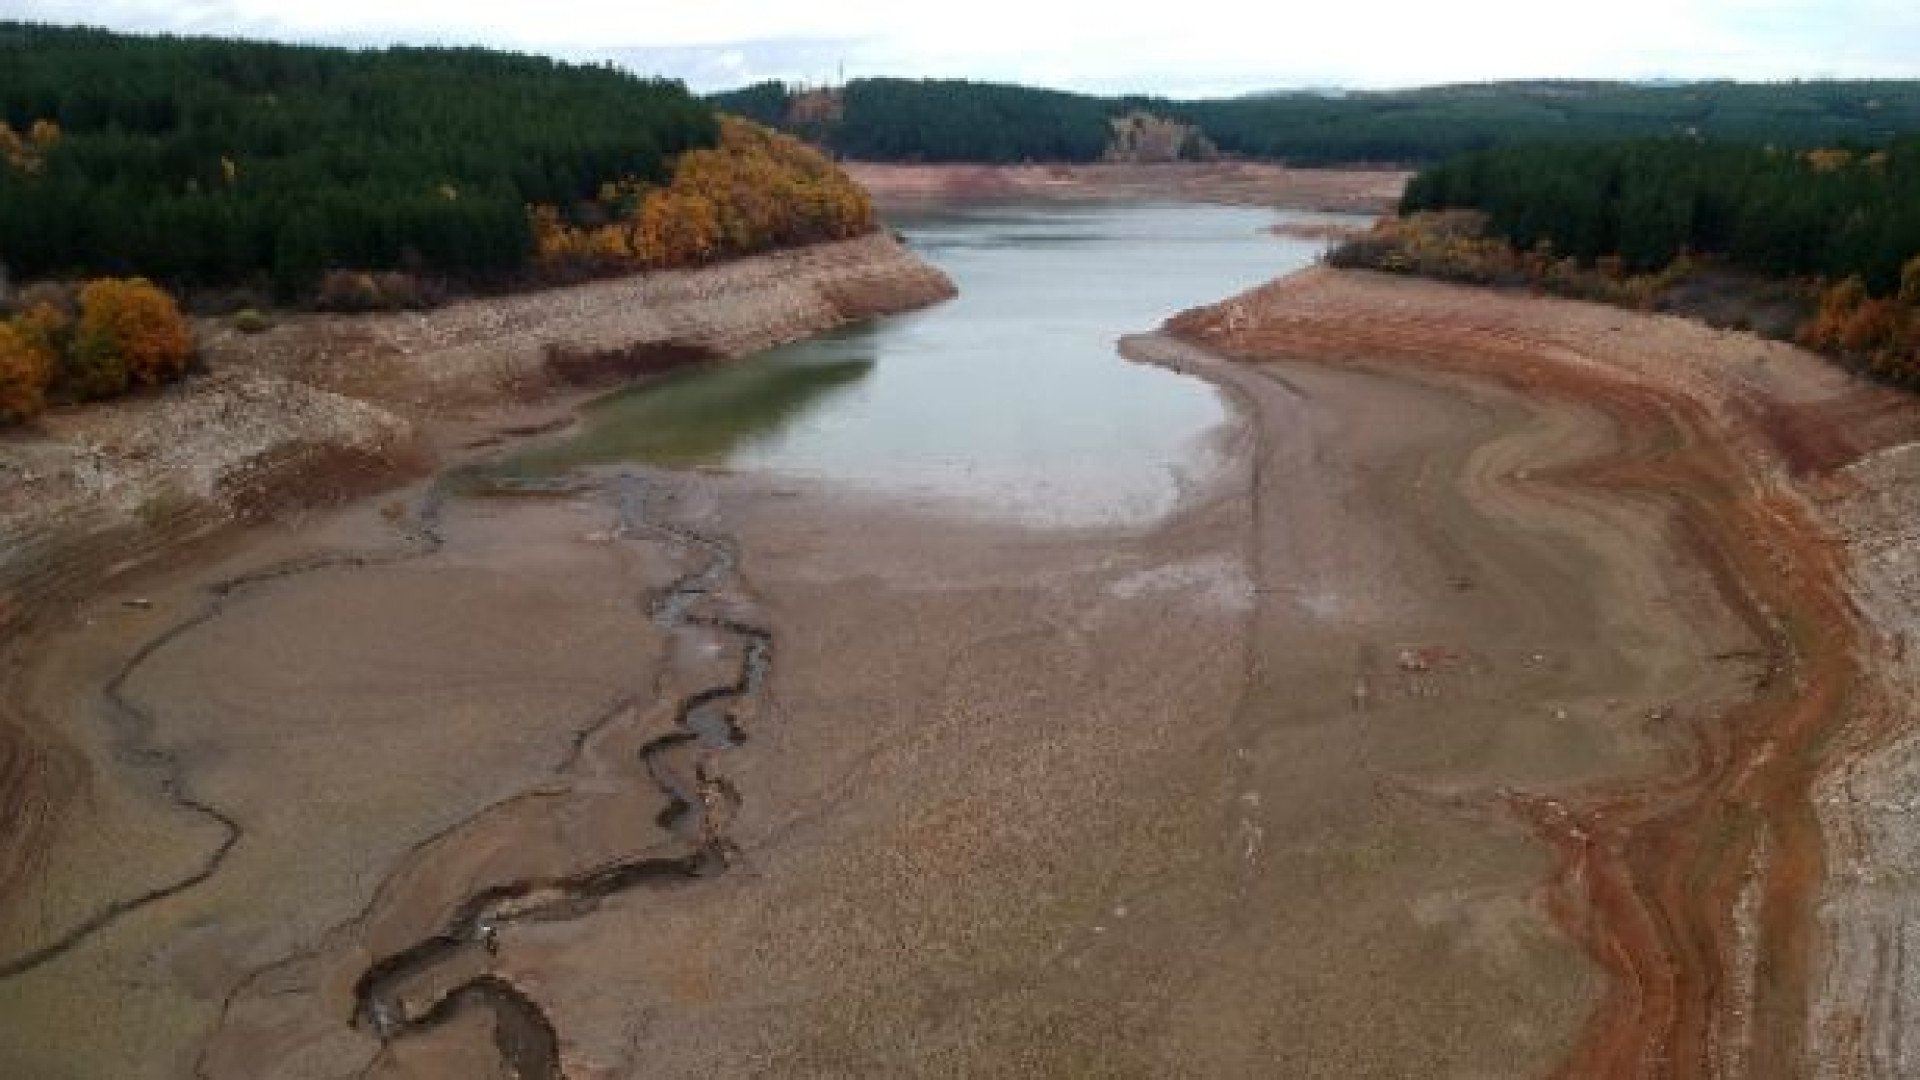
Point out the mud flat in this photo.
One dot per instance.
(110, 816)
(1492, 710)
(1748, 901)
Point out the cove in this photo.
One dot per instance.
(1011, 397)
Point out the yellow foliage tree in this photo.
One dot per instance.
(46, 326)
(134, 326)
(677, 229)
(26, 370)
(757, 189)
(1828, 159)
(26, 153)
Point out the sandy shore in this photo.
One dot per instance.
(1480, 718)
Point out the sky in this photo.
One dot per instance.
(1188, 48)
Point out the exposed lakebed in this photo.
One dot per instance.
(1012, 394)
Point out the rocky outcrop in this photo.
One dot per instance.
(1139, 136)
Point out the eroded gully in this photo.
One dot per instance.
(403, 994)
(409, 992)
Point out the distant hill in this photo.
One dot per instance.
(951, 120)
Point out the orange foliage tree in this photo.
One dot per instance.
(756, 190)
(117, 333)
(1878, 333)
(27, 152)
(130, 330)
(26, 370)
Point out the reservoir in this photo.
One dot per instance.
(1010, 398)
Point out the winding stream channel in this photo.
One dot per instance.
(696, 813)
(910, 406)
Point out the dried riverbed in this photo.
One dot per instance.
(1464, 721)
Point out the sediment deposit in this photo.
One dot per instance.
(1744, 901)
(1524, 694)
(314, 413)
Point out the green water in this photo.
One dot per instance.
(706, 415)
(1010, 398)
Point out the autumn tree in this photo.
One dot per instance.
(26, 370)
(757, 190)
(129, 332)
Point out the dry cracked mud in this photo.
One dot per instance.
(1469, 722)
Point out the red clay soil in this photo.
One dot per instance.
(1653, 879)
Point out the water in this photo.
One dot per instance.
(1011, 396)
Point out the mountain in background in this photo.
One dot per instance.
(960, 120)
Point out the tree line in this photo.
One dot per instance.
(1427, 125)
(1832, 213)
(204, 161)
(959, 120)
(1835, 231)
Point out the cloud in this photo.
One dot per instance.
(736, 63)
(1212, 47)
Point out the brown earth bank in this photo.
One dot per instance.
(347, 401)
(1749, 902)
(1246, 183)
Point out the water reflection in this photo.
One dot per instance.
(706, 415)
(1011, 396)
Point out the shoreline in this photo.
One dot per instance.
(322, 409)
(296, 422)
(1503, 624)
(1732, 977)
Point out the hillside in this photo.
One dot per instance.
(951, 120)
(203, 162)
(1827, 238)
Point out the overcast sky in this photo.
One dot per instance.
(1185, 48)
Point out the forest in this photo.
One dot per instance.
(1830, 213)
(757, 189)
(136, 168)
(885, 120)
(954, 120)
(1842, 222)
(1426, 125)
(200, 161)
